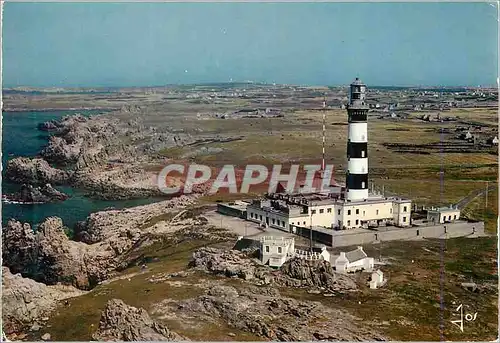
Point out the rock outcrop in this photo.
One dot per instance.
(32, 194)
(46, 255)
(34, 171)
(121, 322)
(25, 301)
(113, 242)
(319, 274)
(51, 125)
(296, 272)
(265, 313)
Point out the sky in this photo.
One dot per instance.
(154, 44)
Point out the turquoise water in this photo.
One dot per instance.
(20, 137)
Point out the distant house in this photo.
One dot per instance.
(353, 261)
(377, 279)
(493, 141)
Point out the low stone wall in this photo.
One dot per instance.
(319, 237)
(449, 230)
(344, 238)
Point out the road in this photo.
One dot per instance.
(469, 198)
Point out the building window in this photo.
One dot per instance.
(348, 212)
(261, 217)
(282, 223)
(363, 213)
(357, 222)
(404, 219)
(293, 223)
(454, 217)
(267, 248)
(273, 220)
(449, 218)
(391, 210)
(377, 212)
(279, 250)
(321, 210)
(418, 232)
(357, 211)
(338, 212)
(404, 209)
(251, 215)
(329, 210)
(304, 223)
(313, 211)
(348, 223)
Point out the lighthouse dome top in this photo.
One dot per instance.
(357, 82)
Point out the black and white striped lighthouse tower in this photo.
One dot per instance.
(357, 143)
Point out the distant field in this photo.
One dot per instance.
(296, 138)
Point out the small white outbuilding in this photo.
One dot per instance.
(377, 279)
(353, 261)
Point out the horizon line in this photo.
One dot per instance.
(244, 82)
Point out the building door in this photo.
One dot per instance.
(267, 220)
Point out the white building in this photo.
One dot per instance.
(353, 261)
(276, 250)
(443, 215)
(281, 211)
(377, 279)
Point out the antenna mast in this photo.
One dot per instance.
(324, 119)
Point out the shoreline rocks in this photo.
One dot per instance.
(109, 242)
(34, 171)
(36, 195)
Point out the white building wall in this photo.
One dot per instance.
(275, 251)
(402, 213)
(366, 212)
(275, 220)
(439, 217)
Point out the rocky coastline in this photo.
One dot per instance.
(29, 194)
(100, 154)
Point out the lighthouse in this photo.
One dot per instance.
(357, 143)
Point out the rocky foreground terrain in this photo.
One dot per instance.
(121, 322)
(27, 302)
(264, 312)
